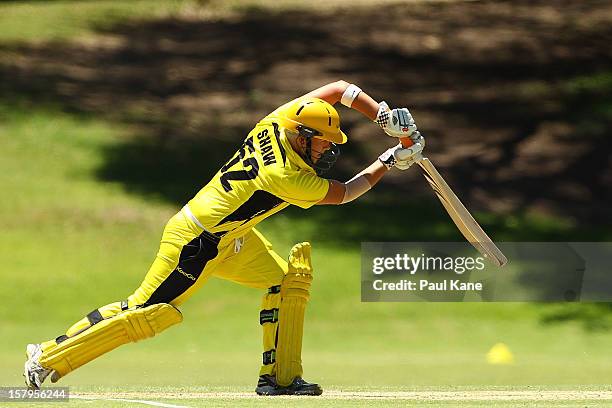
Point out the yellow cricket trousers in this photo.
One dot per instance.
(187, 257)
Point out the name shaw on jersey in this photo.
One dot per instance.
(265, 144)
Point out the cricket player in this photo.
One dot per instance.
(281, 162)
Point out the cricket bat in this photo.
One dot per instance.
(459, 214)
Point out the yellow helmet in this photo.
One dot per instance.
(315, 116)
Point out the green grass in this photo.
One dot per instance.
(74, 243)
(365, 401)
(71, 19)
(70, 242)
(55, 20)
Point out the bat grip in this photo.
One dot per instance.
(406, 141)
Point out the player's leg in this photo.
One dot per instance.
(256, 265)
(282, 312)
(295, 293)
(177, 271)
(105, 329)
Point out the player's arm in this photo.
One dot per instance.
(394, 122)
(340, 193)
(397, 156)
(349, 95)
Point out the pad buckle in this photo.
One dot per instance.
(268, 316)
(269, 357)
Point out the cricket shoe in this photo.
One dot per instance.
(33, 372)
(267, 386)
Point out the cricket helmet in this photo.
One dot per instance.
(314, 117)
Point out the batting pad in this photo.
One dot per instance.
(106, 334)
(295, 292)
(268, 318)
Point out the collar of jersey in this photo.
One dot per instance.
(292, 155)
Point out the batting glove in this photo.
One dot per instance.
(395, 122)
(401, 157)
(418, 138)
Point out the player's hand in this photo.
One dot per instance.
(395, 122)
(401, 157)
(417, 138)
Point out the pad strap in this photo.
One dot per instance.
(269, 357)
(61, 338)
(268, 316)
(95, 317)
(105, 334)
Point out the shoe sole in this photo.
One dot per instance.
(26, 376)
(306, 393)
(313, 393)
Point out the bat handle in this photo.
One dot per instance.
(406, 141)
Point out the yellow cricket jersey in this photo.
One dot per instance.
(262, 178)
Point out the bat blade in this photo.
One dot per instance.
(461, 216)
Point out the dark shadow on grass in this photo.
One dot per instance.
(514, 96)
(501, 89)
(592, 316)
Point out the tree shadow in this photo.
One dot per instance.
(501, 89)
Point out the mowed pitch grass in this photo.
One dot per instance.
(180, 398)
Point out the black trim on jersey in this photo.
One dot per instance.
(194, 257)
(260, 202)
(278, 141)
(214, 237)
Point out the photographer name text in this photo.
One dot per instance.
(446, 285)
